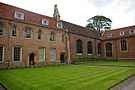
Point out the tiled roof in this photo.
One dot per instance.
(7, 11)
(116, 33)
(79, 30)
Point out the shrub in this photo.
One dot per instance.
(88, 58)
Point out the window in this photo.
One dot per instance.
(89, 47)
(1, 30)
(79, 46)
(45, 22)
(1, 53)
(108, 49)
(122, 33)
(27, 32)
(59, 25)
(99, 48)
(131, 31)
(19, 15)
(63, 38)
(17, 53)
(110, 35)
(41, 54)
(13, 31)
(39, 33)
(53, 54)
(52, 36)
(123, 44)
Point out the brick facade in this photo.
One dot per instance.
(65, 46)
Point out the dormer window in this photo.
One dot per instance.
(110, 35)
(131, 31)
(122, 33)
(59, 25)
(45, 22)
(19, 15)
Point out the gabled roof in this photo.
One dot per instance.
(116, 33)
(79, 30)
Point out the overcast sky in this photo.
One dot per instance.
(121, 12)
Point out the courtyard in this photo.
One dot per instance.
(88, 76)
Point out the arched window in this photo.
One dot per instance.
(99, 48)
(89, 47)
(52, 36)
(39, 33)
(13, 31)
(123, 44)
(27, 32)
(63, 38)
(79, 46)
(108, 49)
(1, 29)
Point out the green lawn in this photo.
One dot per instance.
(111, 63)
(72, 77)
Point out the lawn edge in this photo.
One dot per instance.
(3, 87)
(121, 81)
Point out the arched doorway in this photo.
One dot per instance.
(31, 59)
(62, 55)
(108, 49)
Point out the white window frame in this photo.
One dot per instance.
(110, 35)
(122, 33)
(45, 22)
(19, 13)
(130, 31)
(13, 54)
(59, 23)
(53, 60)
(44, 55)
(2, 56)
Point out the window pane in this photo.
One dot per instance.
(42, 54)
(17, 53)
(13, 32)
(109, 50)
(79, 46)
(1, 53)
(123, 45)
(39, 34)
(99, 48)
(89, 47)
(1, 30)
(27, 33)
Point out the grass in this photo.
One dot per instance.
(72, 77)
(111, 63)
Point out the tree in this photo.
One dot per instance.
(99, 23)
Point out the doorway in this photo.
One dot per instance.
(31, 59)
(108, 49)
(62, 55)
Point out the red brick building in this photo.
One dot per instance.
(119, 43)
(28, 38)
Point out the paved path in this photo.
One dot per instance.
(128, 84)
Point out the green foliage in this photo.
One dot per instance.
(99, 23)
(87, 58)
